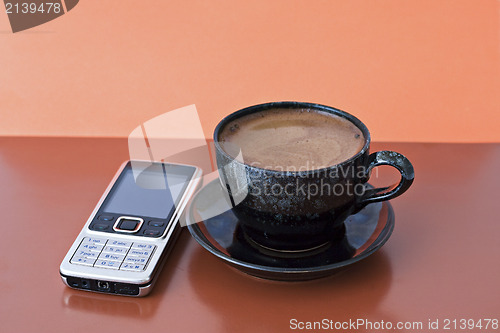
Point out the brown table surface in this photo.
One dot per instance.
(442, 261)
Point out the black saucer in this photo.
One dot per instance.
(213, 225)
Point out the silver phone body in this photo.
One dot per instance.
(139, 283)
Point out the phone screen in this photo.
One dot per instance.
(153, 193)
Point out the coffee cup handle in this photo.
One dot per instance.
(395, 160)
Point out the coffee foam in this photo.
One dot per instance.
(292, 139)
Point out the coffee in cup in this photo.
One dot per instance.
(291, 139)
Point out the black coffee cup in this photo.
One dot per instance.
(312, 205)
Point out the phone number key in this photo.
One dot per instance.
(132, 267)
(135, 260)
(90, 247)
(119, 243)
(107, 264)
(94, 240)
(115, 249)
(87, 254)
(139, 253)
(82, 261)
(139, 246)
(111, 256)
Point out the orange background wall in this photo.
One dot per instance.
(411, 70)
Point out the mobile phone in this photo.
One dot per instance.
(125, 241)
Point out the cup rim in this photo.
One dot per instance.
(291, 105)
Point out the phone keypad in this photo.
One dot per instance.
(113, 254)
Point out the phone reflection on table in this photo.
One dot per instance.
(111, 305)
